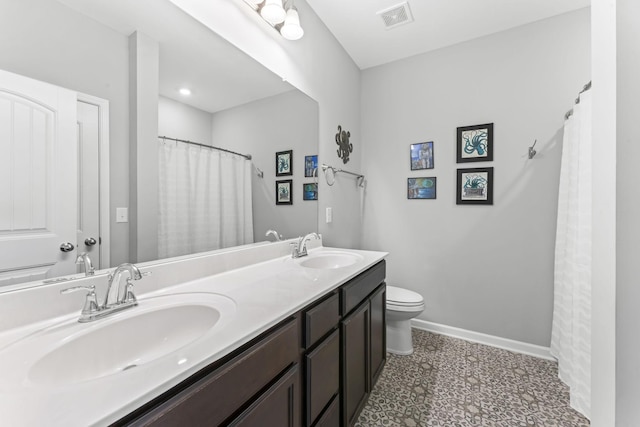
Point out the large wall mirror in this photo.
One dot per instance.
(235, 103)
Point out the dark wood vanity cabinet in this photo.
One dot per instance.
(363, 343)
(315, 369)
(321, 358)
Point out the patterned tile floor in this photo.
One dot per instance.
(454, 383)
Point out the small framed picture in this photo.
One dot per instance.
(283, 192)
(475, 143)
(284, 163)
(310, 166)
(475, 186)
(422, 156)
(310, 191)
(421, 188)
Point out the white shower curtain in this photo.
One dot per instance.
(571, 328)
(205, 199)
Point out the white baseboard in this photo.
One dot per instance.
(490, 340)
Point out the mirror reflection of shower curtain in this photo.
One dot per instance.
(204, 199)
(571, 328)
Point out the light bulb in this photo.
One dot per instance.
(273, 12)
(291, 30)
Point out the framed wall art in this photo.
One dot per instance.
(475, 186)
(421, 188)
(422, 156)
(283, 192)
(310, 165)
(284, 163)
(475, 143)
(310, 191)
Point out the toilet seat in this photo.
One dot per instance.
(399, 299)
(403, 297)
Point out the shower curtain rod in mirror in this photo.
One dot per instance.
(584, 89)
(246, 156)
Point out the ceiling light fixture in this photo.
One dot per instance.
(291, 29)
(281, 15)
(273, 12)
(184, 91)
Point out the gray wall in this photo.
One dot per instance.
(288, 121)
(482, 268)
(628, 212)
(178, 120)
(47, 41)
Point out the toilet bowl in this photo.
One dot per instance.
(402, 306)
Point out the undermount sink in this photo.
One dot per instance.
(72, 352)
(329, 260)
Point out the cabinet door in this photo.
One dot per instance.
(323, 376)
(355, 363)
(331, 416)
(378, 334)
(277, 407)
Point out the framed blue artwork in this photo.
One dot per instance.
(310, 191)
(283, 192)
(284, 163)
(310, 165)
(475, 143)
(422, 156)
(421, 188)
(475, 186)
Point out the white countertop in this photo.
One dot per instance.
(264, 293)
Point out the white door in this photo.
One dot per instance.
(88, 239)
(38, 184)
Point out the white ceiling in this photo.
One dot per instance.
(191, 55)
(437, 23)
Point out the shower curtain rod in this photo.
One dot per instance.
(246, 156)
(584, 89)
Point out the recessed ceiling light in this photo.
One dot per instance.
(184, 91)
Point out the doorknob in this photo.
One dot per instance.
(90, 241)
(66, 247)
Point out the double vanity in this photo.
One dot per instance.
(247, 336)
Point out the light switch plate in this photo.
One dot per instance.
(122, 215)
(329, 215)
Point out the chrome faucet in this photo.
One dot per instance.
(299, 249)
(84, 259)
(273, 233)
(114, 295)
(115, 300)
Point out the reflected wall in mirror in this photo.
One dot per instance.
(83, 45)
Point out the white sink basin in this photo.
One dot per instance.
(72, 352)
(329, 260)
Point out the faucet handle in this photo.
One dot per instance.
(129, 296)
(91, 301)
(91, 289)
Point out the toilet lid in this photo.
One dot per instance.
(401, 296)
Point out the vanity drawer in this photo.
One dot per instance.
(321, 319)
(214, 398)
(356, 290)
(278, 406)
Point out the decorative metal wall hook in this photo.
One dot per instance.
(342, 139)
(532, 152)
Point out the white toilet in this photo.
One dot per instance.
(402, 306)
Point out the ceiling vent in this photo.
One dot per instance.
(394, 16)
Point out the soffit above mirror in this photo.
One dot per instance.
(191, 55)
